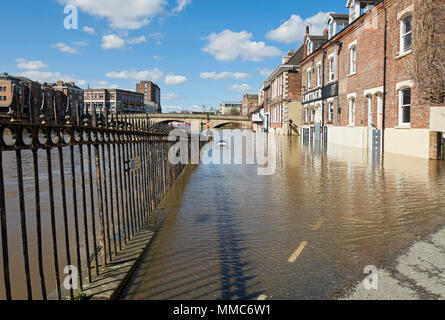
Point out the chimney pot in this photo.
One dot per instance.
(325, 32)
(307, 29)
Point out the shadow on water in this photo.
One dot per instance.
(233, 278)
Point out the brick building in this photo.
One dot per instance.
(69, 90)
(152, 95)
(249, 102)
(356, 99)
(282, 95)
(114, 100)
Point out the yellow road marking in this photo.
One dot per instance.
(262, 297)
(318, 225)
(358, 220)
(295, 255)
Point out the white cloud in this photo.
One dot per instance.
(89, 30)
(181, 5)
(170, 96)
(240, 88)
(265, 72)
(170, 108)
(137, 40)
(80, 43)
(172, 79)
(157, 36)
(224, 75)
(29, 65)
(63, 47)
(113, 41)
(105, 84)
(229, 45)
(156, 57)
(294, 29)
(82, 83)
(196, 108)
(44, 76)
(153, 74)
(122, 14)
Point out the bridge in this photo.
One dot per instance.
(215, 121)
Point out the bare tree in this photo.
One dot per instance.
(429, 48)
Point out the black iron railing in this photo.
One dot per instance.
(87, 187)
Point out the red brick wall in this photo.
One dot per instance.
(294, 85)
(400, 69)
(369, 34)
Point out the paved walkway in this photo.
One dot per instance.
(417, 274)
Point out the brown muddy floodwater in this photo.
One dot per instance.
(229, 233)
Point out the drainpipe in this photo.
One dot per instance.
(384, 80)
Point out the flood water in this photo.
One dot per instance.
(229, 232)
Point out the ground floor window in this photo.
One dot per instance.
(330, 111)
(405, 106)
(352, 111)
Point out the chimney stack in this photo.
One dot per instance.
(307, 29)
(325, 33)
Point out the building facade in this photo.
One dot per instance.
(249, 102)
(72, 93)
(282, 95)
(152, 95)
(230, 108)
(114, 101)
(357, 86)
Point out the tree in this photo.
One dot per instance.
(234, 112)
(429, 48)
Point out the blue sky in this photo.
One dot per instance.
(200, 52)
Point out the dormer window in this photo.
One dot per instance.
(358, 8)
(331, 28)
(309, 47)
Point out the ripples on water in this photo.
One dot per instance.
(230, 232)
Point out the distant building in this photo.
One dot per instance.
(152, 96)
(230, 107)
(114, 100)
(250, 101)
(75, 95)
(282, 95)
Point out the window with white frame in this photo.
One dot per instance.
(330, 111)
(405, 34)
(405, 106)
(312, 115)
(306, 114)
(352, 111)
(319, 74)
(309, 79)
(309, 47)
(353, 59)
(331, 69)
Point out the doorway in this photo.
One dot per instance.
(441, 145)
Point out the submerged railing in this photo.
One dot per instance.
(88, 186)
